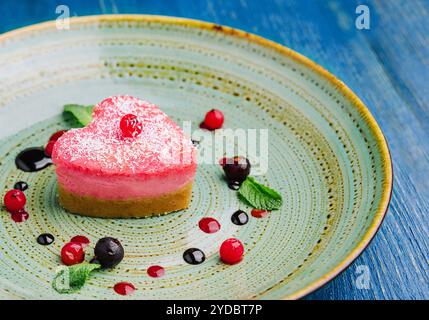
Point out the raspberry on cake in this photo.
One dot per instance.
(132, 160)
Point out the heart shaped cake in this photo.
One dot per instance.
(132, 160)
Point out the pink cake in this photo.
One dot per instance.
(103, 173)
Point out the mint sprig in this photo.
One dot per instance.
(259, 196)
(71, 279)
(82, 114)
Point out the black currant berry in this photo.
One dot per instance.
(108, 252)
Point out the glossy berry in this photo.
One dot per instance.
(109, 252)
(72, 253)
(14, 200)
(214, 119)
(231, 251)
(57, 135)
(49, 148)
(236, 169)
(130, 125)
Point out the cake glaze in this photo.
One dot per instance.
(97, 162)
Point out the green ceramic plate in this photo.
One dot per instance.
(326, 156)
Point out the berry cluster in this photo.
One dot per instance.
(14, 201)
(108, 251)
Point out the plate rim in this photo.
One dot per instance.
(342, 88)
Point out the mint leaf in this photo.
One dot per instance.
(259, 196)
(82, 114)
(71, 279)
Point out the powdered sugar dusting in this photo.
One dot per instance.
(100, 148)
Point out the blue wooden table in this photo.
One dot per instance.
(387, 66)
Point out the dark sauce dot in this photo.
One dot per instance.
(194, 256)
(32, 159)
(21, 185)
(45, 239)
(239, 218)
(234, 185)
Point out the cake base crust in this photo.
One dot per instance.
(133, 208)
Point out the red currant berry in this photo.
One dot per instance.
(14, 200)
(72, 253)
(57, 135)
(214, 119)
(231, 251)
(130, 125)
(49, 148)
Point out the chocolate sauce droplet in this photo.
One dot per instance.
(194, 256)
(32, 159)
(239, 218)
(21, 185)
(234, 185)
(45, 239)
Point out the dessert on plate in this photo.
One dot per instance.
(132, 160)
